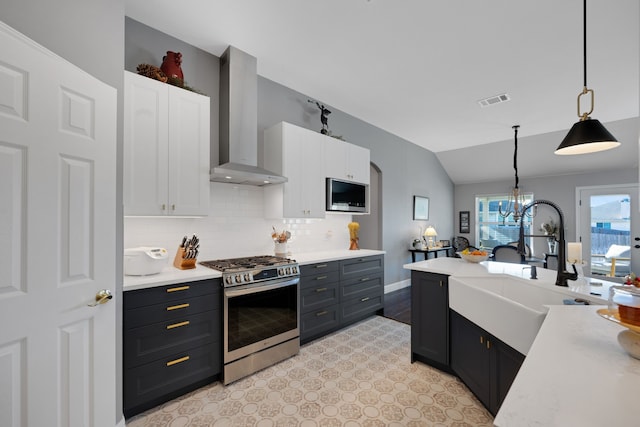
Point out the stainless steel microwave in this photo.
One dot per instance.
(347, 196)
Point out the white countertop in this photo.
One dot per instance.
(576, 374)
(457, 267)
(171, 275)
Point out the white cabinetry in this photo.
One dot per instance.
(296, 153)
(166, 149)
(346, 161)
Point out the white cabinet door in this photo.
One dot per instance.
(146, 145)
(296, 153)
(166, 149)
(58, 137)
(189, 144)
(346, 161)
(335, 158)
(358, 163)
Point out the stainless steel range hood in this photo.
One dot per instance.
(239, 122)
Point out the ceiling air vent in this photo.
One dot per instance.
(493, 100)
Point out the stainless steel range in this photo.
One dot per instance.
(261, 312)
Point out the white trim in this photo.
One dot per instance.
(397, 286)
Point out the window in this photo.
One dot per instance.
(492, 229)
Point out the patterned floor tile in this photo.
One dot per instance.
(360, 376)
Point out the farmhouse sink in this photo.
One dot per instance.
(511, 308)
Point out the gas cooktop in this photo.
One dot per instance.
(247, 270)
(247, 263)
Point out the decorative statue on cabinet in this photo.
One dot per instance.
(324, 117)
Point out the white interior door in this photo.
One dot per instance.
(57, 228)
(609, 228)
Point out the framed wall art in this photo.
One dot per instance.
(464, 222)
(420, 208)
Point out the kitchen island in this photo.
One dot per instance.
(574, 360)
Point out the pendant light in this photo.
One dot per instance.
(587, 135)
(516, 201)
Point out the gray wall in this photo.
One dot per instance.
(558, 189)
(89, 34)
(406, 169)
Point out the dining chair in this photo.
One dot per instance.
(507, 253)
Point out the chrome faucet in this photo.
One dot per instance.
(563, 274)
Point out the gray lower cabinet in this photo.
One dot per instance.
(430, 319)
(448, 341)
(485, 364)
(171, 342)
(337, 293)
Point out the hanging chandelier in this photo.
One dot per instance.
(516, 201)
(587, 135)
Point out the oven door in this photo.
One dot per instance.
(259, 316)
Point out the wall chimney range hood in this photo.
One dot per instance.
(239, 123)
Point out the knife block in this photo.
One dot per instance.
(180, 262)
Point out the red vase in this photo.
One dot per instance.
(171, 65)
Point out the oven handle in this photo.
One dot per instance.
(259, 287)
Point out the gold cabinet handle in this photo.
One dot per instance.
(179, 288)
(488, 344)
(321, 290)
(321, 265)
(177, 325)
(177, 307)
(481, 339)
(176, 361)
(322, 313)
(365, 299)
(173, 207)
(164, 207)
(364, 279)
(321, 277)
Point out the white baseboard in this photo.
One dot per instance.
(397, 285)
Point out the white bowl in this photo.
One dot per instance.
(473, 258)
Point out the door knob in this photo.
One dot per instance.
(102, 296)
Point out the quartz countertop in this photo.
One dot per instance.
(171, 275)
(596, 290)
(576, 374)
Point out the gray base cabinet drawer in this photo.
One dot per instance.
(358, 267)
(152, 342)
(318, 322)
(166, 294)
(319, 268)
(317, 297)
(171, 310)
(152, 381)
(359, 308)
(362, 286)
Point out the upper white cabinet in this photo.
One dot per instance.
(166, 149)
(296, 153)
(346, 161)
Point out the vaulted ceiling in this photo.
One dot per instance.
(417, 68)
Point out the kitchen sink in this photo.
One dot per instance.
(511, 308)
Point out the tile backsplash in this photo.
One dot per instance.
(236, 227)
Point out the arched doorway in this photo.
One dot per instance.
(371, 225)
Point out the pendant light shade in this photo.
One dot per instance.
(587, 135)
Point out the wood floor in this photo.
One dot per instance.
(397, 305)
